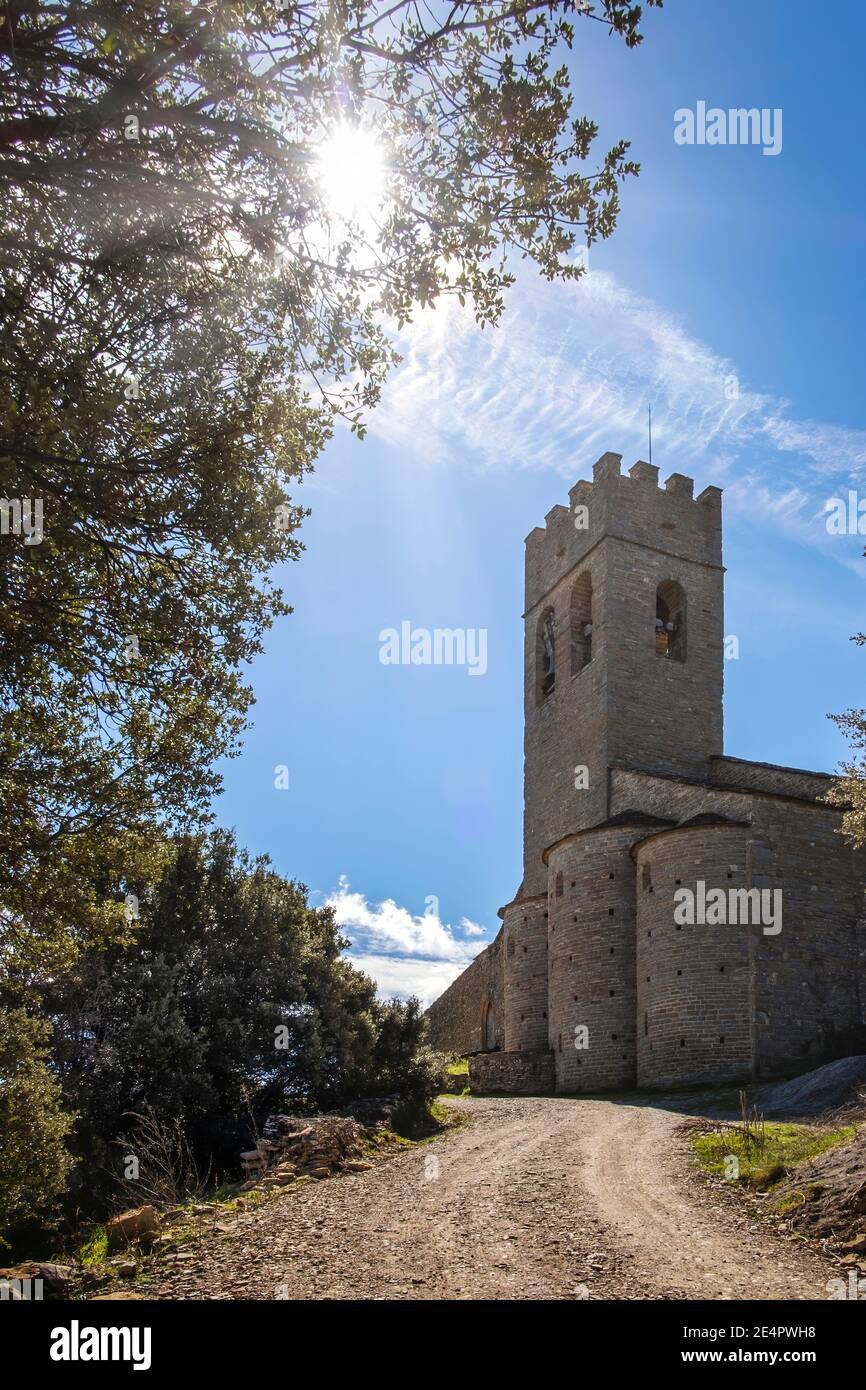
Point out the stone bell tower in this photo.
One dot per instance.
(621, 587)
(623, 660)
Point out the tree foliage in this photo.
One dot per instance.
(232, 1000)
(34, 1163)
(849, 791)
(182, 318)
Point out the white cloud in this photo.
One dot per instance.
(406, 953)
(472, 928)
(568, 374)
(403, 978)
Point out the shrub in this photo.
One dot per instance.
(34, 1163)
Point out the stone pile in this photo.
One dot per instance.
(292, 1148)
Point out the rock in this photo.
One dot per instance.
(128, 1269)
(320, 1173)
(855, 1245)
(356, 1165)
(55, 1280)
(115, 1296)
(826, 1088)
(131, 1225)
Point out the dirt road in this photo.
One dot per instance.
(536, 1198)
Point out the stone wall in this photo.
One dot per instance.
(717, 1003)
(456, 1019)
(512, 1073)
(565, 730)
(768, 777)
(592, 959)
(693, 982)
(524, 938)
(637, 789)
(810, 988)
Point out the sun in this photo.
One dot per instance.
(351, 171)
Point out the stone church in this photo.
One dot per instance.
(594, 981)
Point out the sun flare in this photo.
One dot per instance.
(351, 172)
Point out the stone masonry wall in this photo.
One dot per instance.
(525, 974)
(716, 1003)
(565, 730)
(631, 789)
(592, 959)
(810, 989)
(517, 1073)
(768, 777)
(693, 982)
(456, 1018)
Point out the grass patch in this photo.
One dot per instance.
(456, 1077)
(387, 1137)
(762, 1165)
(445, 1118)
(795, 1200)
(226, 1198)
(94, 1250)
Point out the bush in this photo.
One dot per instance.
(34, 1163)
(232, 1001)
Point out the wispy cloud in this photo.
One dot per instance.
(406, 953)
(569, 373)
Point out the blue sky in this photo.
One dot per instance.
(405, 797)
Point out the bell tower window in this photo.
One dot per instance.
(581, 623)
(546, 654)
(670, 621)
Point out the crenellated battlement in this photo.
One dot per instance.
(630, 507)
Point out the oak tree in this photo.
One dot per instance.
(184, 316)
